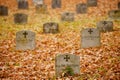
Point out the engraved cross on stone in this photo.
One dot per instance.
(25, 34)
(90, 31)
(104, 22)
(67, 14)
(66, 58)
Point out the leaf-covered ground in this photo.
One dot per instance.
(101, 63)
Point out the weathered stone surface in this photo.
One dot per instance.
(20, 18)
(81, 8)
(114, 14)
(90, 37)
(67, 16)
(41, 8)
(22, 4)
(25, 40)
(119, 5)
(51, 27)
(66, 62)
(38, 2)
(56, 4)
(105, 26)
(3, 10)
(92, 3)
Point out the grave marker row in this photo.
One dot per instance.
(90, 37)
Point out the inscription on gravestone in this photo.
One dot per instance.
(114, 14)
(25, 40)
(67, 16)
(51, 27)
(56, 4)
(105, 26)
(92, 3)
(22, 4)
(41, 8)
(66, 62)
(81, 8)
(20, 18)
(3, 10)
(90, 38)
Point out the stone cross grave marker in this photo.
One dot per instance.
(69, 64)
(41, 8)
(3, 10)
(90, 37)
(114, 14)
(20, 18)
(56, 4)
(22, 4)
(81, 8)
(119, 5)
(38, 2)
(92, 3)
(67, 16)
(25, 40)
(51, 27)
(105, 26)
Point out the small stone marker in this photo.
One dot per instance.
(20, 18)
(3, 10)
(51, 27)
(90, 37)
(81, 8)
(69, 64)
(114, 14)
(22, 4)
(105, 26)
(38, 2)
(25, 40)
(119, 5)
(56, 4)
(67, 16)
(41, 8)
(92, 3)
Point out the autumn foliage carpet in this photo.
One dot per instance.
(100, 63)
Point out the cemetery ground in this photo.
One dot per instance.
(98, 63)
(95, 63)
